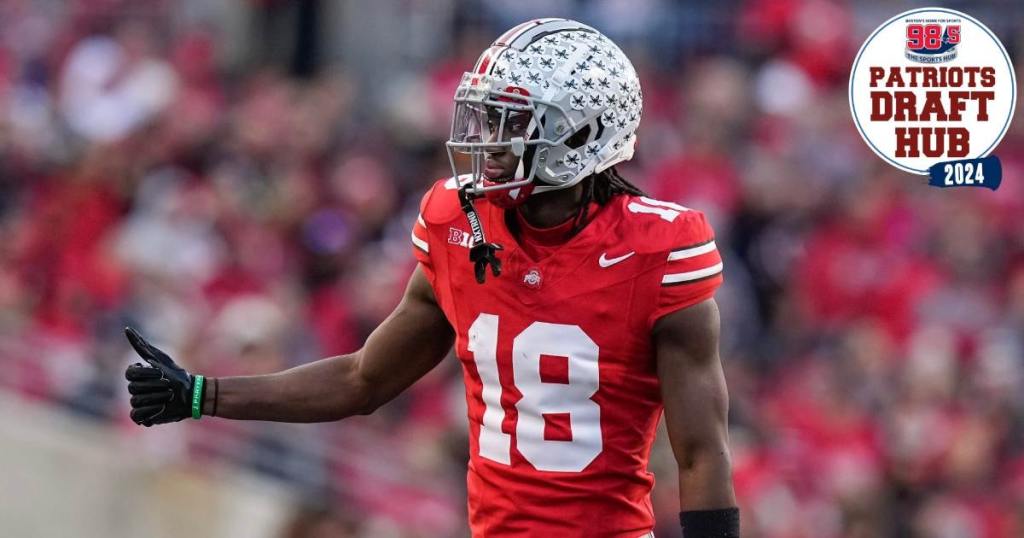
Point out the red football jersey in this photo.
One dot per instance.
(562, 392)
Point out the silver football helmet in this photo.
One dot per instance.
(557, 94)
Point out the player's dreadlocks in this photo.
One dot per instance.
(601, 188)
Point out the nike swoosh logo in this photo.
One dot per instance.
(608, 262)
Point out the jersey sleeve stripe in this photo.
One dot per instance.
(691, 276)
(420, 244)
(690, 252)
(419, 220)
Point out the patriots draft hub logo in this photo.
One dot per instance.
(932, 87)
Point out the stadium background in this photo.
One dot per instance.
(239, 179)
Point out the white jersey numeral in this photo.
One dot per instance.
(483, 343)
(666, 210)
(540, 397)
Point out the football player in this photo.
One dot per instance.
(580, 310)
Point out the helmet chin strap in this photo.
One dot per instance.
(481, 253)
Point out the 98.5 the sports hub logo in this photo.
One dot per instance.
(932, 92)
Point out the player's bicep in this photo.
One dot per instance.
(406, 345)
(692, 382)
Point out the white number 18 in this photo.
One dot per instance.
(539, 397)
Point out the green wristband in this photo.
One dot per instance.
(197, 396)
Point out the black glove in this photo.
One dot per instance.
(161, 392)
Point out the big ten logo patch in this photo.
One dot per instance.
(933, 90)
(459, 237)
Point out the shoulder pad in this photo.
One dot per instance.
(440, 205)
(658, 226)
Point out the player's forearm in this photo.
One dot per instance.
(321, 391)
(403, 348)
(705, 477)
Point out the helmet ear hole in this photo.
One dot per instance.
(580, 138)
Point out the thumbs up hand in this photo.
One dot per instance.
(161, 392)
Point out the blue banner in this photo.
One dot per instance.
(986, 172)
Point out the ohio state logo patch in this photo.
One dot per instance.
(532, 278)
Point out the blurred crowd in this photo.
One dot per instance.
(251, 211)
